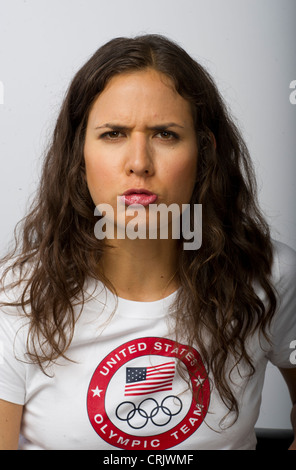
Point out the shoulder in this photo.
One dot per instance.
(284, 265)
(12, 316)
(15, 274)
(284, 252)
(283, 325)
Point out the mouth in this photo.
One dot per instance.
(138, 197)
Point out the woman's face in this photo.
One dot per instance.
(140, 143)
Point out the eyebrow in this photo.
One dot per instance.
(159, 127)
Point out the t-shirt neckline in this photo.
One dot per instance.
(131, 308)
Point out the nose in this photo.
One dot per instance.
(139, 160)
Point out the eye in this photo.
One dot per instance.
(167, 135)
(111, 135)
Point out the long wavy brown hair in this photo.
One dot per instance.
(56, 250)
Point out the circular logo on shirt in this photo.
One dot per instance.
(148, 394)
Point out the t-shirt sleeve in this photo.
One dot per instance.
(12, 366)
(284, 323)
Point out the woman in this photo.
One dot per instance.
(114, 340)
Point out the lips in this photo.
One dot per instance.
(139, 196)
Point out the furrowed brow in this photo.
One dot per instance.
(158, 127)
(165, 126)
(114, 126)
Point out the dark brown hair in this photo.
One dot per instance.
(56, 249)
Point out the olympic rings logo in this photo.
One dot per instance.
(137, 417)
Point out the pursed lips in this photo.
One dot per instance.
(139, 196)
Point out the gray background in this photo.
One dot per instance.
(249, 46)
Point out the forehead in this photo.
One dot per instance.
(141, 93)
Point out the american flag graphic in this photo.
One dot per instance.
(144, 380)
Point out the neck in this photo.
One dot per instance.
(141, 270)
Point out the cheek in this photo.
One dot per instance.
(98, 178)
(96, 173)
(182, 177)
(99, 163)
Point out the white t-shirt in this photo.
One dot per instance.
(122, 388)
